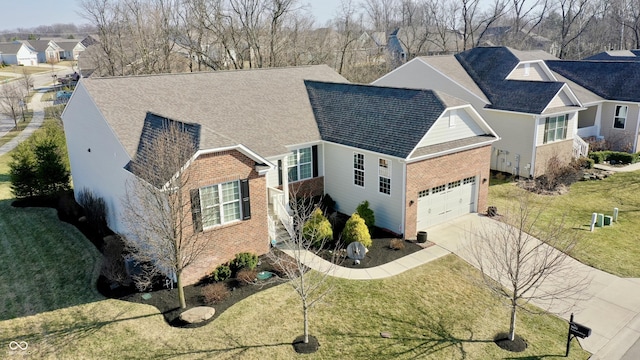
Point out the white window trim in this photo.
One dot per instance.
(613, 125)
(545, 138)
(297, 165)
(381, 176)
(355, 154)
(220, 205)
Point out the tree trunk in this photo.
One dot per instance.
(183, 303)
(305, 312)
(512, 325)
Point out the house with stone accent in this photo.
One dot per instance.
(534, 114)
(420, 157)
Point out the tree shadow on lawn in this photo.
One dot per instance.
(430, 340)
(54, 336)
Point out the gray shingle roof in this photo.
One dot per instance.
(264, 109)
(617, 55)
(386, 120)
(490, 66)
(612, 80)
(157, 168)
(10, 48)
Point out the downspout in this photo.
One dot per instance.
(535, 145)
(598, 122)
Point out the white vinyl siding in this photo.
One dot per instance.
(339, 171)
(452, 125)
(560, 100)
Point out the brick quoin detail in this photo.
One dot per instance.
(225, 241)
(441, 170)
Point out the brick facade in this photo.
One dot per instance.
(225, 241)
(441, 170)
(564, 150)
(311, 187)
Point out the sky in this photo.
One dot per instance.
(33, 13)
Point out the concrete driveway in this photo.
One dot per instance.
(609, 305)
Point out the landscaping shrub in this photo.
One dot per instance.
(113, 267)
(40, 165)
(327, 203)
(221, 273)
(617, 157)
(396, 244)
(95, 210)
(216, 292)
(245, 260)
(247, 276)
(356, 230)
(584, 163)
(366, 214)
(317, 228)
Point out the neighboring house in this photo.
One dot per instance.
(523, 40)
(517, 95)
(610, 90)
(419, 157)
(616, 55)
(17, 53)
(48, 50)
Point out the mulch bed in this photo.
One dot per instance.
(379, 253)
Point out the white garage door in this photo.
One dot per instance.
(445, 202)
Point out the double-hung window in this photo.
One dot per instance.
(620, 117)
(384, 176)
(555, 128)
(300, 164)
(358, 169)
(220, 203)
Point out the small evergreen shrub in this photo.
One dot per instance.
(356, 230)
(95, 210)
(327, 203)
(247, 276)
(215, 293)
(317, 228)
(396, 244)
(617, 157)
(245, 260)
(366, 214)
(221, 273)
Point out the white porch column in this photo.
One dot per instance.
(285, 181)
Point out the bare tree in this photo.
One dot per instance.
(302, 244)
(576, 17)
(11, 98)
(157, 206)
(521, 261)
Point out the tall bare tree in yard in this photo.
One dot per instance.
(157, 206)
(524, 261)
(11, 98)
(303, 244)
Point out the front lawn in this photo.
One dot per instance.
(434, 311)
(614, 249)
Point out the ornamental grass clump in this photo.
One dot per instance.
(356, 230)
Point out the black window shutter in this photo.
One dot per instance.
(279, 172)
(246, 201)
(195, 210)
(314, 161)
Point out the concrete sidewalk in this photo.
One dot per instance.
(38, 118)
(609, 305)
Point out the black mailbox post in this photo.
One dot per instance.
(576, 330)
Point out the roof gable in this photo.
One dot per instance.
(612, 80)
(390, 121)
(489, 67)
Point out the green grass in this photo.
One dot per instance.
(5, 182)
(614, 249)
(433, 312)
(28, 69)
